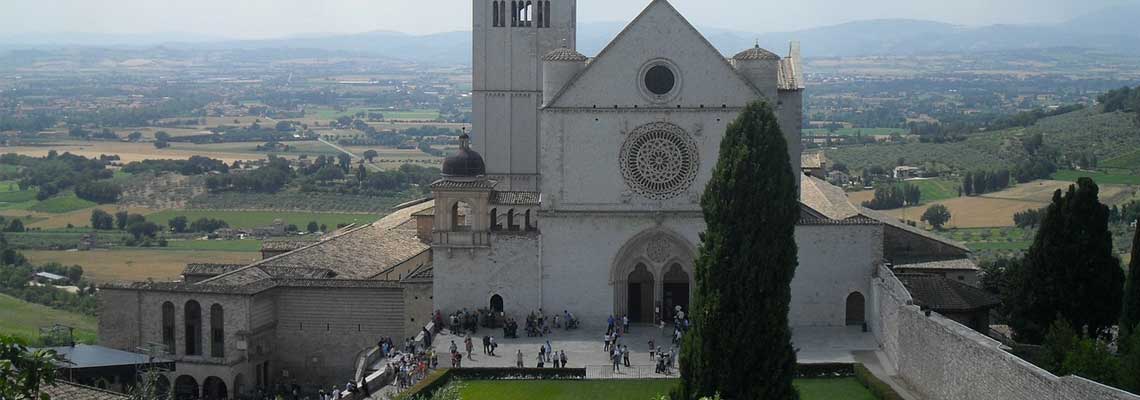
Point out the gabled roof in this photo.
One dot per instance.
(826, 199)
(940, 294)
(894, 222)
(684, 24)
(209, 269)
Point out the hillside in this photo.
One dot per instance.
(1110, 136)
(23, 319)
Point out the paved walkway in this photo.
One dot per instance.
(583, 347)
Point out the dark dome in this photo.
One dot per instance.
(465, 162)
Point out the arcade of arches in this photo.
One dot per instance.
(652, 275)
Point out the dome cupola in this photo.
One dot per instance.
(465, 163)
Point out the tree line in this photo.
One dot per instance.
(55, 173)
(982, 182)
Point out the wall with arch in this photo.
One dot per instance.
(835, 261)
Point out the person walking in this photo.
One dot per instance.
(486, 344)
(615, 357)
(562, 355)
(470, 347)
(625, 355)
(549, 351)
(519, 359)
(540, 360)
(625, 323)
(651, 349)
(542, 352)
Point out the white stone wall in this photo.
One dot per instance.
(467, 278)
(835, 261)
(942, 359)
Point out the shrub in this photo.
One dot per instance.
(881, 390)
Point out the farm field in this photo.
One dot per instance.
(132, 151)
(62, 203)
(997, 209)
(77, 218)
(23, 319)
(854, 131)
(137, 264)
(252, 219)
(215, 245)
(326, 113)
(638, 389)
(1098, 177)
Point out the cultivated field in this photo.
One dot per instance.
(252, 219)
(137, 264)
(23, 319)
(133, 151)
(997, 209)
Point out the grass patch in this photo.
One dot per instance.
(934, 190)
(23, 319)
(61, 204)
(1128, 161)
(637, 389)
(214, 245)
(252, 219)
(1015, 245)
(1098, 177)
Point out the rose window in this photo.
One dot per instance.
(659, 161)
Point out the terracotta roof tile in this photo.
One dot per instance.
(515, 198)
(941, 294)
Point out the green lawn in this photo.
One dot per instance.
(644, 389)
(934, 190)
(23, 319)
(67, 202)
(251, 219)
(214, 245)
(1099, 178)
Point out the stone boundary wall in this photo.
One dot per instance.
(942, 359)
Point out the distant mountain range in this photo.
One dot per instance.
(1112, 30)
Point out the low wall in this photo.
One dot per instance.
(942, 359)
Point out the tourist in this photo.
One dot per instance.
(625, 323)
(625, 355)
(486, 344)
(557, 322)
(470, 347)
(519, 359)
(540, 360)
(606, 346)
(493, 345)
(562, 355)
(651, 348)
(454, 348)
(615, 357)
(335, 393)
(549, 351)
(542, 352)
(610, 323)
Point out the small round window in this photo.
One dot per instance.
(659, 79)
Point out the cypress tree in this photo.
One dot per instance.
(740, 343)
(1070, 271)
(1130, 311)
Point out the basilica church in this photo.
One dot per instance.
(579, 186)
(576, 189)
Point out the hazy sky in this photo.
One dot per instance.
(274, 18)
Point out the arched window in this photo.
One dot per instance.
(546, 13)
(461, 217)
(526, 221)
(495, 13)
(217, 331)
(193, 322)
(511, 221)
(539, 12)
(528, 13)
(168, 327)
(514, 13)
(503, 13)
(495, 219)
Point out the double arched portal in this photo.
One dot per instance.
(652, 275)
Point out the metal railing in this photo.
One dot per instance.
(631, 372)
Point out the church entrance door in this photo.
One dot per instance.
(675, 290)
(640, 292)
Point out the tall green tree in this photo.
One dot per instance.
(745, 267)
(936, 215)
(1130, 310)
(1070, 271)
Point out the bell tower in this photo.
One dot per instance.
(510, 37)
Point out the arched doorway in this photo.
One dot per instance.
(185, 388)
(497, 303)
(639, 288)
(638, 275)
(855, 309)
(675, 290)
(214, 388)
